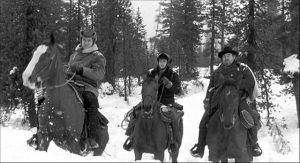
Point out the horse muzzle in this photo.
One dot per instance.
(227, 125)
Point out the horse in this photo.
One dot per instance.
(226, 135)
(150, 132)
(61, 117)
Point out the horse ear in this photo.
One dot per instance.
(52, 39)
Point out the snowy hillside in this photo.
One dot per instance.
(14, 136)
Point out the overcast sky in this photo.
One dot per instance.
(149, 11)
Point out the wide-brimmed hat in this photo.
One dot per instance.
(88, 33)
(227, 49)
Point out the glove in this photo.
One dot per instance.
(76, 68)
(206, 103)
(168, 84)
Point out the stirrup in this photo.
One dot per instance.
(256, 151)
(128, 145)
(197, 151)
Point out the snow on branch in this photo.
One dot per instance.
(281, 144)
(291, 64)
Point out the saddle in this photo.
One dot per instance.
(169, 114)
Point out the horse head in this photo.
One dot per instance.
(149, 95)
(229, 101)
(42, 64)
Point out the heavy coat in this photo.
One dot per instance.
(233, 71)
(165, 95)
(93, 63)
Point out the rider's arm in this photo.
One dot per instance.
(176, 87)
(210, 87)
(247, 83)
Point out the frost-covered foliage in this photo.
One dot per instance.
(277, 127)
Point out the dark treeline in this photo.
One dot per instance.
(25, 24)
(191, 31)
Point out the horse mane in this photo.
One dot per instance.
(148, 80)
(229, 82)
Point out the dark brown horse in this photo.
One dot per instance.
(61, 117)
(150, 132)
(226, 136)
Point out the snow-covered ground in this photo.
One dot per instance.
(14, 136)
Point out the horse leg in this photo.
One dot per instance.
(174, 156)
(138, 155)
(224, 161)
(159, 156)
(43, 141)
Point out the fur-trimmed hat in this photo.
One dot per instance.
(227, 49)
(88, 33)
(164, 56)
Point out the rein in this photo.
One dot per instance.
(59, 85)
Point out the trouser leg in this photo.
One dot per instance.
(91, 105)
(203, 129)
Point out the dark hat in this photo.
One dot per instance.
(163, 56)
(88, 33)
(227, 49)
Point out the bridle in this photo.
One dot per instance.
(149, 114)
(221, 116)
(55, 66)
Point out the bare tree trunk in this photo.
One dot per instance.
(69, 30)
(295, 82)
(223, 24)
(79, 19)
(251, 56)
(124, 61)
(283, 41)
(212, 47)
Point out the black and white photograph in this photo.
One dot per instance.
(149, 80)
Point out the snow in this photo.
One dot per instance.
(14, 135)
(291, 64)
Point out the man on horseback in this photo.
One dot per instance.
(169, 85)
(89, 65)
(230, 69)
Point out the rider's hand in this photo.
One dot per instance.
(168, 84)
(76, 68)
(206, 103)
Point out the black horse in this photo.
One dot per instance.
(61, 117)
(150, 132)
(226, 135)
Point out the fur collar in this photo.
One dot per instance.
(88, 50)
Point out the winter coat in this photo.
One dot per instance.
(93, 63)
(233, 71)
(165, 95)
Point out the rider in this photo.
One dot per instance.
(230, 68)
(89, 65)
(169, 85)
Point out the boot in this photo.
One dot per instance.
(197, 150)
(33, 142)
(128, 145)
(92, 143)
(256, 150)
